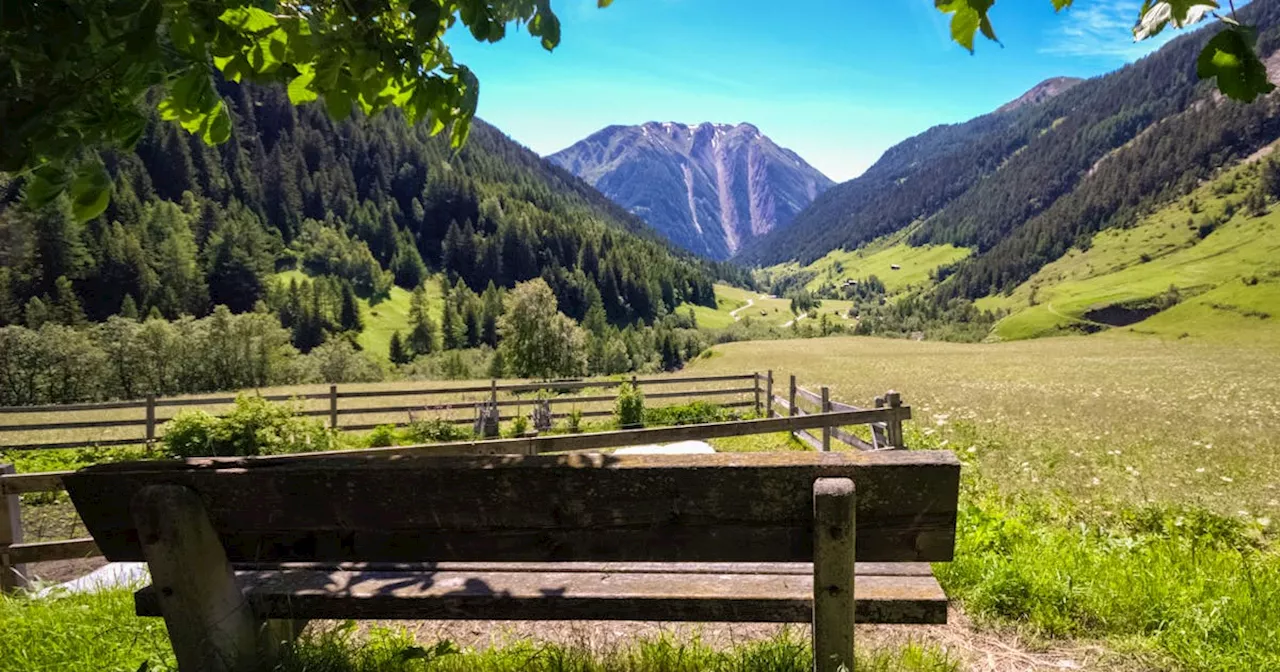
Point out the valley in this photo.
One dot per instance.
(1073, 285)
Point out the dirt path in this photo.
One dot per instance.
(978, 651)
(734, 313)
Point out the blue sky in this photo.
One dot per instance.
(838, 81)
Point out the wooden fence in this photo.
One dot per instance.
(885, 435)
(355, 404)
(885, 420)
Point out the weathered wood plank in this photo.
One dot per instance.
(719, 507)
(78, 424)
(851, 439)
(797, 568)
(83, 443)
(783, 598)
(833, 591)
(812, 397)
(210, 625)
(17, 484)
(12, 573)
(45, 551)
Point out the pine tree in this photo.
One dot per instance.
(422, 330)
(491, 301)
(36, 313)
(129, 308)
(66, 306)
(349, 318)
(397, 352)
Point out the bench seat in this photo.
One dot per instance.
(905, 593)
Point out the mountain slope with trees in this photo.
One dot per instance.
(360, 207)
(1022, 186)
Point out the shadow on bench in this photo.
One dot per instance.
(237, 546)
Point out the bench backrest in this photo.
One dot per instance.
(656, 508)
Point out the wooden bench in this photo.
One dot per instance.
(240, 551)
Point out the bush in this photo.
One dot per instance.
(383, 436)
(575, 421)
(694, 413)
(630, 406)
(436, 430)
(255, 427)
(519, 426)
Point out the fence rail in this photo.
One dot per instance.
(778, 415)
(336, 410)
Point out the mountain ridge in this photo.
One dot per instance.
(709, 187)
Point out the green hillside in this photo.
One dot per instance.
(735, 304)
(1208, 259)
(900, 266)
(384, 318)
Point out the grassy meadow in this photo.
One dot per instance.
(1121, 492)
(1116, 487)
(736, 304)
(386, 317)
(1222, 260)
(878, 259)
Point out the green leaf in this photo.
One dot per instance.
(603, 3)
(248, 19)
(46, 183)
(1059, 5)
(217, 127)
(968, 17)
(1154, 16)
(338, 103)
(91, 191)
(1230, 57)
(300, 87)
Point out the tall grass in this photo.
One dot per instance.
(95, 633)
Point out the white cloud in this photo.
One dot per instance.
(1102, 28)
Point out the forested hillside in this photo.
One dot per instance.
(1020, 187)
(193, 226)
(359, 207)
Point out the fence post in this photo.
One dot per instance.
(879, 436)
(11, 576)
(756, 386)
(333, 407)
(826, 429)
(768, 394)
(791, 401)
(151, 418)
(894, 400)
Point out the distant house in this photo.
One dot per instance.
(895, 267)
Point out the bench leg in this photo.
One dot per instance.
(210, 623)
(833, 600)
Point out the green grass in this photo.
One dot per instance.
(92, 633)
(1163, 251)
(1117, 488)
(755, 307)
(384, 318)
(878, 259)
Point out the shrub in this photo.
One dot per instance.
(255, 427)
(382, 436)
(519, 426)
(694, 413)
(630, 406)
(575, 421)
(436, 430)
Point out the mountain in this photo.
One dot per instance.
(1041, 92)
(1018, 188)
(368, 201)
(710, 188)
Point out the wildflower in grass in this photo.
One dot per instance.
(1227, 479)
